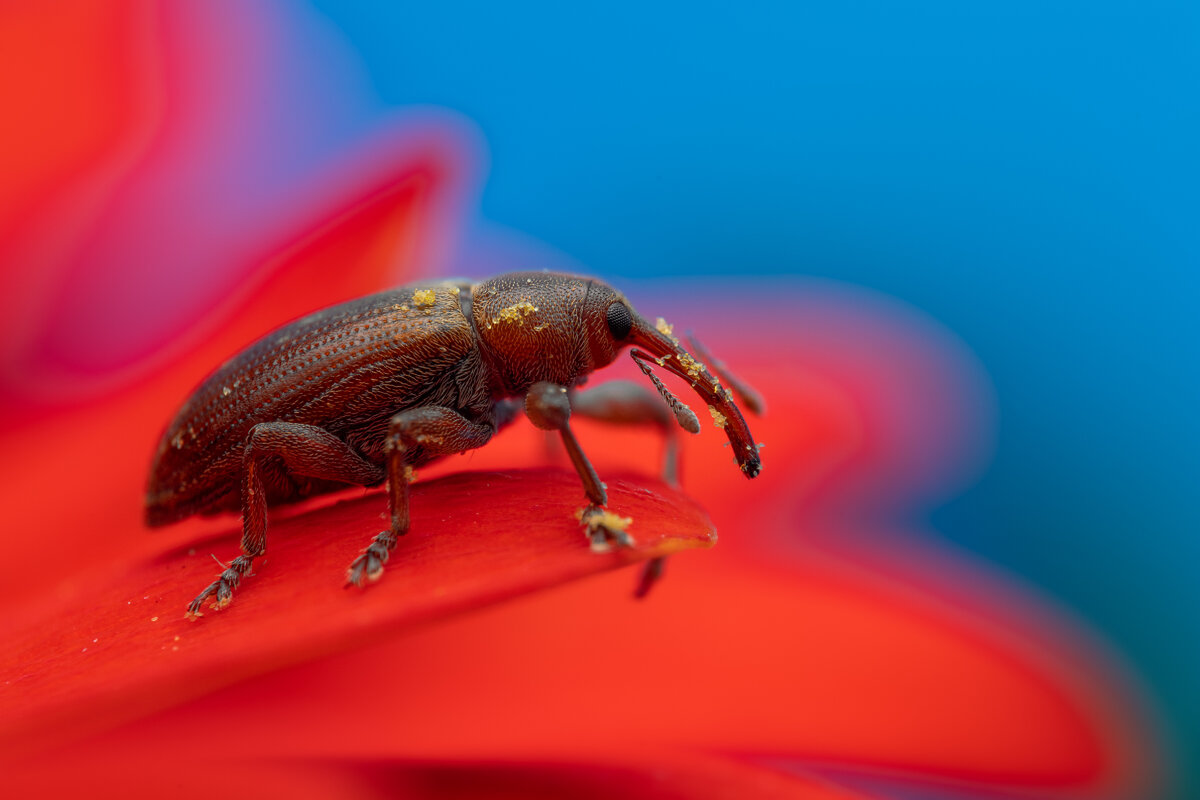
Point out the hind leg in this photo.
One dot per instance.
(307, 451)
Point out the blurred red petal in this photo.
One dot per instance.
(657, 776)
(824, 664)
(80, 105)
(117, 645)
(136, 219)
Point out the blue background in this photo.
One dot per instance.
(1023, 172)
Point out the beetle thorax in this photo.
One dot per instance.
(530, 327)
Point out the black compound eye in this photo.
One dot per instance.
(620, 321)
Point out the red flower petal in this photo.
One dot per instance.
(658, 776)
(804, 638)
(118, 645)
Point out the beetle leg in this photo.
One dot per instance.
(651, 574)
(549, 408)
(629, 403)
(307, 451)
(413, 435)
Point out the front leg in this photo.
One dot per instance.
(628, 403)
(549, 408)
(413, 435)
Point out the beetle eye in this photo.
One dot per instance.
(620, 321)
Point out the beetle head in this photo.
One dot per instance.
(545, 326)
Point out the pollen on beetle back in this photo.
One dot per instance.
(515, 313)
(423, 298)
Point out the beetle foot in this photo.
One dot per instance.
(603, 528)
(222, 587)
(369, 566)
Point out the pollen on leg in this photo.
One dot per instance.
(603, 527)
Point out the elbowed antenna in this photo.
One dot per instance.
(665, 350)
(683, 415)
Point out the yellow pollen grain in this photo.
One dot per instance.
(690, 364)
(605, 519)
(423, 298)
(663, 327)
(410, 474)
(515, 313)
(454, 290)
(718, 417)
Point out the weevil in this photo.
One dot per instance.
(364, 392)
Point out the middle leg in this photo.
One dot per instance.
(416, 433)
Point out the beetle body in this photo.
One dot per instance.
(348, 369)
(362, 392)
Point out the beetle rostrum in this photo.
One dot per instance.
(364, 392)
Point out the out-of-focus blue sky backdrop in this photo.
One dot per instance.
(1023, 172)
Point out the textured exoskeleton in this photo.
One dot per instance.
(363, 392)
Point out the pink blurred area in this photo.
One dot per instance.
(209, 145)
(185, 183)
(183, 178)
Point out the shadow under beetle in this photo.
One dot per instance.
(363, 392)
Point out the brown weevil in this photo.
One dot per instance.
(364, 392)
